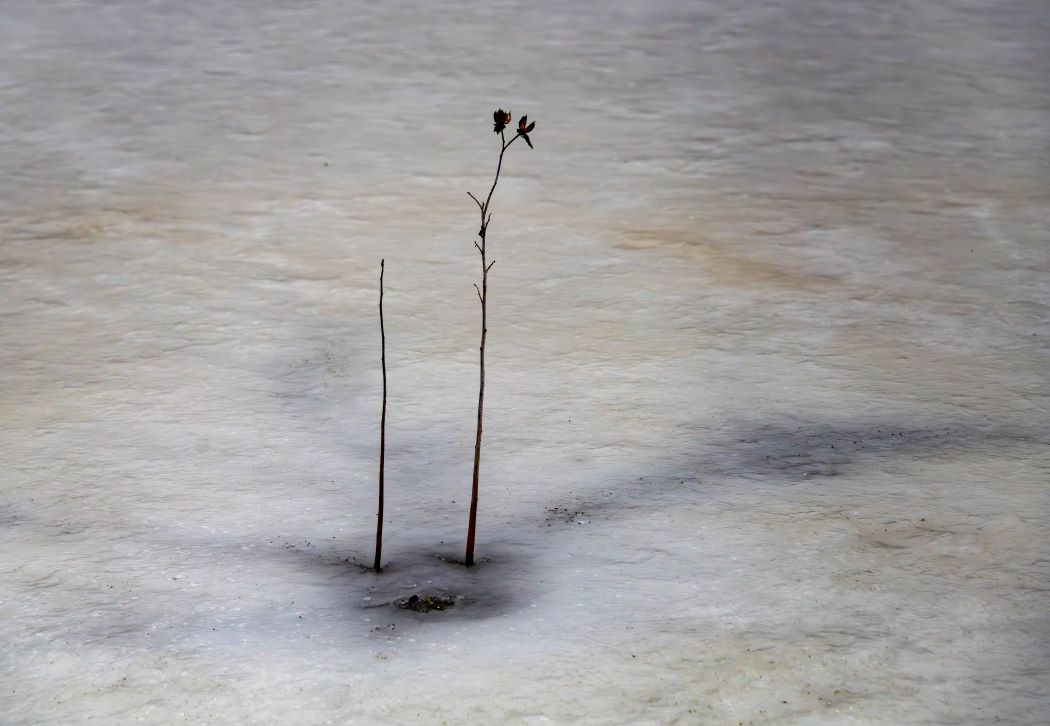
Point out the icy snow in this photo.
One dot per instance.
(768, 362)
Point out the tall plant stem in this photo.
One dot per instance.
(382, 427)
(483, 296)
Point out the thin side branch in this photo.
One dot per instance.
(475, 200)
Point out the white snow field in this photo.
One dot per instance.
(768, 362)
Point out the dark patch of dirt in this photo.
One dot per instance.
(426, 603)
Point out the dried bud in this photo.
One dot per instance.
(500, 120)
(524, 127)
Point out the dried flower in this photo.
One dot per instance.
(524, 127)
(501, 119)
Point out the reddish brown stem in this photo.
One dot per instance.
(483, 294)
(382, 427)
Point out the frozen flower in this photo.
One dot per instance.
(524, 127)
(501, 119)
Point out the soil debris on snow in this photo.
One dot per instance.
(426, 603)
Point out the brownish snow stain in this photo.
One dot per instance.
(727, 266)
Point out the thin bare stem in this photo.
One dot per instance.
(382, 427)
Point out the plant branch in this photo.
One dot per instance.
(483, 295)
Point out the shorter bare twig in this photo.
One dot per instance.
(382, 428)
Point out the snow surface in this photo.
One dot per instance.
(768, 362)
